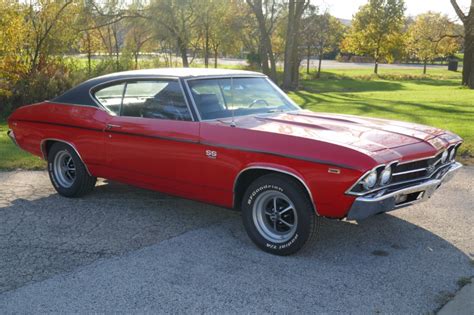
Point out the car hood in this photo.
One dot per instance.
(368, 135)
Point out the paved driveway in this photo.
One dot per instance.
(125, 249)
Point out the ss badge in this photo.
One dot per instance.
(211, 154)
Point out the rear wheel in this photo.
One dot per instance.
(68, 174)
(278, 214)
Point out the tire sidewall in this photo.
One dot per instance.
(303, 209)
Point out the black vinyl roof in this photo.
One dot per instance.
(81, 94)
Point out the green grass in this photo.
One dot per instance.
(11, 157)
(436, 99)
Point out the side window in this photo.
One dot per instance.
(158, 99)
(111, 97)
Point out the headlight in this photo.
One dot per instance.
(452, 155)
(370, 180)
(386, 176)
(444, 157)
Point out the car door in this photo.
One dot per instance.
(151, 139)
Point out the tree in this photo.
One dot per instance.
(139, 34)
(178, 18)
(321, 34)
(291, 66)
(90, 41)
(227, 30)
(376, 30)
(468, 62)
(12, 36)
(49, 30)
(431, 36)
(266, 13)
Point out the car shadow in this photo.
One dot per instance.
(384, 256)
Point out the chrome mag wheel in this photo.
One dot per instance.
(275, 216)
(64, 169)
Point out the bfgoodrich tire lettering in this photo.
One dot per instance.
(278, 215)
(67, 172)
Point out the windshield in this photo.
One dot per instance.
(218, 98)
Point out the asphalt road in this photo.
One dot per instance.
(130, 250)
(331, 64)
(326, 64)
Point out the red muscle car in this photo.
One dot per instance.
(234, 139)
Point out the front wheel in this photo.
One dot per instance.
(67, 172)
(278, 215)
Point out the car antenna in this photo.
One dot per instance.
(232, 124)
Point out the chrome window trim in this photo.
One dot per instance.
(72, 104)
(45, 156)
(138, 78)
(278, 171)
(188, 89)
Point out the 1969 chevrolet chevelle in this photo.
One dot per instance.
(234, 139)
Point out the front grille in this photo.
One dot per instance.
(417, 169)
(409, 176)
(406, 173)
(412, 166)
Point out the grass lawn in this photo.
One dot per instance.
(435, 100)
(12, 158)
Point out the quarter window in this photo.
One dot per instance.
(158, 99)
(111, 97)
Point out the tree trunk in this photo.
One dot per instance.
(136, 59)
(89, 62)
(266, 51)
(215, 58)
(468, 61)
(376, 67)
(264, 58)
(292, 61)
(206, 48)
(117, 49)
(273, 70)
(183, 50)
(424, 67)
(308, 56)
(319, 64)
(288, 62)
(89, 54)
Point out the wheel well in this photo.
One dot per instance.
(45, 146)
(248, 176)
(48, 143)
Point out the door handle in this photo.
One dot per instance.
(110, 126)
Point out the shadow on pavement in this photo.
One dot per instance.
(383, 264)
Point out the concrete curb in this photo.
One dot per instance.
(462, 303)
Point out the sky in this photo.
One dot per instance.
(346, 8)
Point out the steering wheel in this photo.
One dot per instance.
(256, 101)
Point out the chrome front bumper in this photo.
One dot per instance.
(385, 200)
(11, 135)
